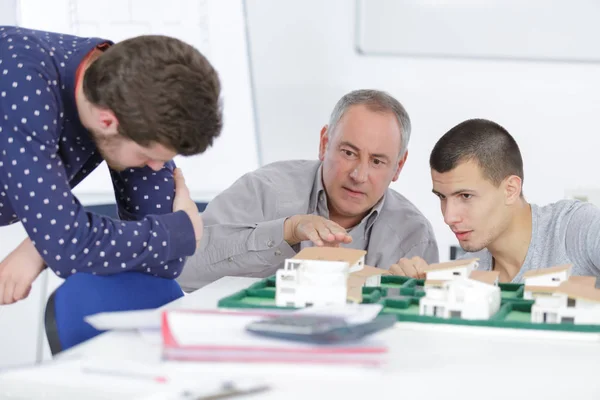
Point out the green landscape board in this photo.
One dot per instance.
(400, 296)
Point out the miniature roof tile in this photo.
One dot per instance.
(354, 290)
(540, 289)
(435, 282)
(546, 271)
(450, 265)
(351, 256)
(578, 291)
(583, 280)
(368, 271)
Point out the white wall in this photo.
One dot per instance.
(8, 12)
(217, 29)
(304, 60)
(21, 323)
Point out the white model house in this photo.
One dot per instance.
(461, 298)
(436, 274)
(489, 277)
(304, 283)
(544, 281)
(355, 258)
(320, 276)
(570, 302)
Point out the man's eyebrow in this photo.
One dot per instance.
(386, 158)
(459, 191)
(358, 151)
(350, 145)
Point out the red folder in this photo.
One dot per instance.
(215, 335)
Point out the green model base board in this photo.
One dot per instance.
(262, 295)
(400, 296)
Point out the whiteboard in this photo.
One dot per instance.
(540, 30)
(217, 29)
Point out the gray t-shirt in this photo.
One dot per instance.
(565, 232)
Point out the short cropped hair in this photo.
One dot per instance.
(161, 90)
(374, 100)
(485, 142)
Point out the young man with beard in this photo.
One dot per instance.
(66, 104)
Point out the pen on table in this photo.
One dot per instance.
(229, 389)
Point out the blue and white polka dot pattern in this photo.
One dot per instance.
(45, 151)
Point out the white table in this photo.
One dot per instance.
(427, 361)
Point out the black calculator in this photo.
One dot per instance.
(318, 329)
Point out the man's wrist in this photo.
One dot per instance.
(288, 231)
(29, 248)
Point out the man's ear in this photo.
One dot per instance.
(108, 122)
(512, 189)
(399, 166)
(323, 141)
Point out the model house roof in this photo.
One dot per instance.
(351, 256)
(490, 277)
(472, 284)
(354, 290)
(450, 265)
(434, 282)
(357, 279)
(578, 291)
(583, 280)
(547, 271)
(540, 289)
(368, 271)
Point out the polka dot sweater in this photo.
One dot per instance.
(45, 152)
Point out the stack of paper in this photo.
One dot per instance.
(221, 336)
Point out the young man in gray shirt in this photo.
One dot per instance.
(342, 199)
(477, 172)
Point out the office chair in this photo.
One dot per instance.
(84, 294)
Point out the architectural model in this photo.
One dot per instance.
(543, 281)
(570, 302)
(318, 276)
(464, 293)
(450, 270)
(457, 290)
(574, 300)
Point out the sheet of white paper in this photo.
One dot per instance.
(125, 320)
(149, 319)
(151, 335)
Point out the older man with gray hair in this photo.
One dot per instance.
(342, 199)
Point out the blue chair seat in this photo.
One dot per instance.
(85, 294)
